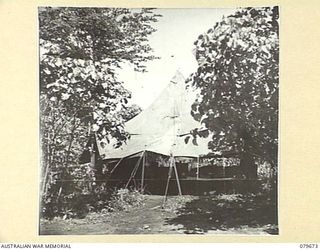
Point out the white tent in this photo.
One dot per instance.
(162, 127)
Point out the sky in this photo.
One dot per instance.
(177, 30)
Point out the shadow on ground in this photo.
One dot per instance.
(228, 213)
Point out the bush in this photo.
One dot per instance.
(123, 199)
(74, 193)
(77, 197)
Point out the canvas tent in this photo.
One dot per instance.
(161, 128)
(158, 132)
(157, 142)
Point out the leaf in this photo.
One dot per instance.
(194, 141)
(186, 139)
(203, 133)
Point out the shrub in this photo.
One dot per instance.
(123, 199)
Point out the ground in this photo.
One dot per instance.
(211, 214)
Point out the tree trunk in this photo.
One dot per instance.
(247, 162)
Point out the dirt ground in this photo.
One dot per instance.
(220, 214)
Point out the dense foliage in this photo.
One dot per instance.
(238, 78)
(81, 51)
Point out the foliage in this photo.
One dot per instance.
(83, 197)
(81, 51)
(81, 193)
(123, 199)
(238, 80)
(130, 112)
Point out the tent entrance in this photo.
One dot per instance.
(147, 172)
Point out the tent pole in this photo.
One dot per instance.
(224, 167)
(114, 168)
(134, 171)
(143, 169)
(176, 173)
(198, 168)
(168, 180)
(224, 173)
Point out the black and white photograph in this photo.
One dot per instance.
(158, 121)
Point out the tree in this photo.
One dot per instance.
(81, 51)
(130, 112)
(82, 48)
(238, 78)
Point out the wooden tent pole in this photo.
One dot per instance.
(143, 170)
(168, 180)
(116, 165)
(134, 171)
(224, 167)
(198, 168)
(176, 173)
(224, 173)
